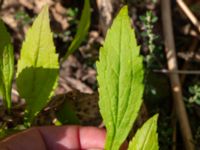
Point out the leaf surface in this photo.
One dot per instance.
(146, 138)
(6, 65)
(82, 31)
(120, 78)
(38, 65)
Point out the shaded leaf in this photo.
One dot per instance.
(146, 138)
(120, 78)
(6, 65)
(82, 31)
(38, 66)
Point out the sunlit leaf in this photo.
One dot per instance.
(120, 78)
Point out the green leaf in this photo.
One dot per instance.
(6, 65)
(120, 78)
(83, 27)
(38, 66)
(146, 138)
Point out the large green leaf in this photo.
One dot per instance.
(146, 138)
(6, 65)
(120, 78)
(38, 65)
(82, 31)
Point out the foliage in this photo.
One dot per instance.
(6, 65)
(23, 17)
(38, 66)
(120, 78)
(149, 19)
(72, 13)
(146, 138)
(195, 94)
(82, 31)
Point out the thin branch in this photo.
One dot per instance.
(191, 72)
(174, 78)
(189, 14)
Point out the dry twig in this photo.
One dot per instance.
(174, 78)
(189, 14)
(165, 71)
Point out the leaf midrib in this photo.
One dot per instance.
(117, 123)
(37, 55)
(38, 42)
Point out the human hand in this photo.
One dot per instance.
(56, 138)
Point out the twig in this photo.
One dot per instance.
(192, 72)
(189, 14)
(174, 78)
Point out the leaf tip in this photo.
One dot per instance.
(124, 10)
(45, 10)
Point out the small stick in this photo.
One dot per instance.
(192, 72)
(174, 78)
(189, 14)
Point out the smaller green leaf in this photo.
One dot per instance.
(146, 137)
(6, 65)
(83, 27)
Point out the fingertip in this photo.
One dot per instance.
(73, 137)
(92, 138)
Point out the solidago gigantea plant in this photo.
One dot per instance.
(120, 78)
